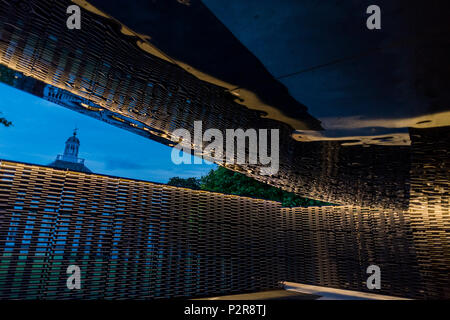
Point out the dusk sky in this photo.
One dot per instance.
(40, 129)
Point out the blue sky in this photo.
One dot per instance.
(40, 129)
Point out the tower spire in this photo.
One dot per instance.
(69, 160)
(72, 147)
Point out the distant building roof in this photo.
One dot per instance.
(61, 164)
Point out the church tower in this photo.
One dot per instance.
(72, 147)
(69, 160)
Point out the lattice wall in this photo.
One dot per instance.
(333, 246)
(137, 239)
(131, 239)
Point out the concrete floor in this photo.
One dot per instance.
(267, 295)
(297, 291)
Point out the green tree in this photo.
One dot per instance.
(226, 181)
(191, 183)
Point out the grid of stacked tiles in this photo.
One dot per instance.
(101, 64)
(333, 246)
(136, 239)
(131, 239)
(430, 207)
(412, 246)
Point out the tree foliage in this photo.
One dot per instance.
(191, 183)
(226, 181)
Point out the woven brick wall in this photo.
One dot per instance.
(135, 239)
(130, 238)
(333, 246)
